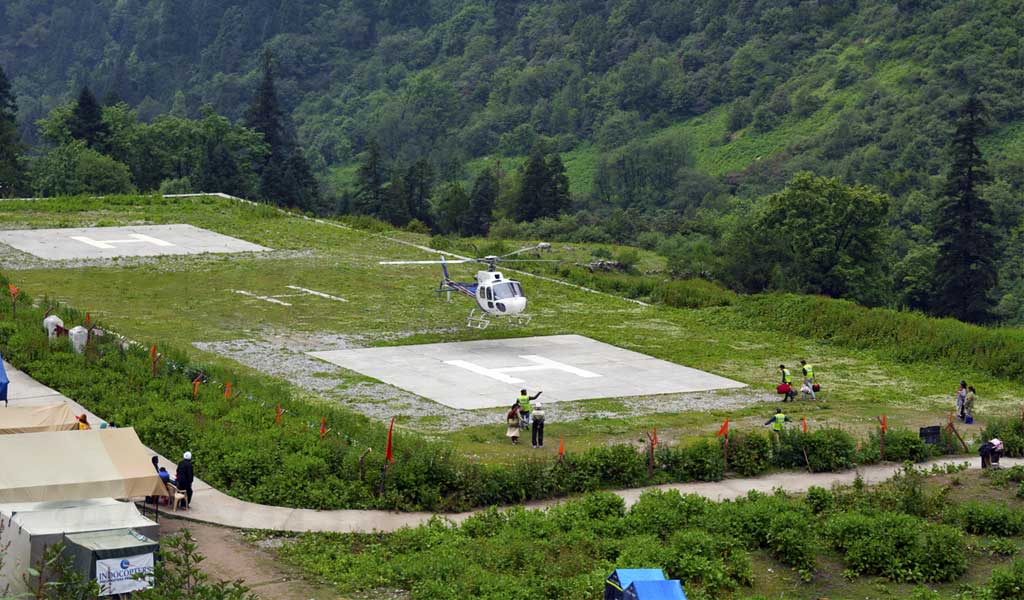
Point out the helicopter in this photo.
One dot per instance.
(496, 296)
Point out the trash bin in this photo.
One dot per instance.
(930, 435)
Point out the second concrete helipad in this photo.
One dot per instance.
(490, 373)
(110, 242)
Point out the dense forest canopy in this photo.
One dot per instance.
(661, 123)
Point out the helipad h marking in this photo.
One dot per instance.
(539, 364)
(316, 293)
(109, 244)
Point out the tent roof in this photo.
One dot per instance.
(30, 419)
(74, 465)
(628, 576)
(656, 590)
(42, 518)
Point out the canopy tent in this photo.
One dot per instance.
(654, 590)
(620, 579)
(31, 527)
(74, 465)
(4, 381)
(30, 419)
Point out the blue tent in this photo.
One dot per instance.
(620, 579)
(4, 382)
(654, 590)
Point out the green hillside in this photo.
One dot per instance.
(840, 87)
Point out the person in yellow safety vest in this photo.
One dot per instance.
(787, 378)
(778, 422)
(808, 387)
(524, 406)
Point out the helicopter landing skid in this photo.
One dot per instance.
(481, 320)
(477, 320)
(520, 320)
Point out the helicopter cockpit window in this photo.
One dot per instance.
(505, 290)
(489, 297)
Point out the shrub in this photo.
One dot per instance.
(989, 518)
(663, 513)
(826, 450)
(1010, 431)
(897, 546)
(1007, 583)
(749, 453)
(709, 566)
(819, 499)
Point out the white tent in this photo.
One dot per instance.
(32, 419)
(29, 527)
(75, 465)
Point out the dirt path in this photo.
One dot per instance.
(229, 557)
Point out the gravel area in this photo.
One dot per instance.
(282, 354)
(16, 260)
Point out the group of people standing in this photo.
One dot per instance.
(527, 414)
(809, 387)
(965, 397)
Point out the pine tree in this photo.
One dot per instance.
(395, 209)
(369, 199)
(86, 122)
(285, 176)
(477, 220)
(535, 188)
(965, 272)
(559, 199)
(419, 184)
(13, 178)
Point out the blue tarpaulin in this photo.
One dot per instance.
(620, 579)
(654, 590)
(4, 382)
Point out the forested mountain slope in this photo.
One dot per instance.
(862, 89)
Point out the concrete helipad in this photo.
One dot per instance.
(490, 373)
(108, 242)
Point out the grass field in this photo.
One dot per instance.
(187, 300)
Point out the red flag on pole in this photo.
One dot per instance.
(88, 318)
(724, 429)
(195, 387)
(227, 390)
(885, 426)
(561, 447)
(654, 440)
(803, 424)
(388, 456)
(14, 290)
(277, 419)
(152, 353)
(323, 427)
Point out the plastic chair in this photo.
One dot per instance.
(177, 497)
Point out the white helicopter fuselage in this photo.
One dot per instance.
(498, 296)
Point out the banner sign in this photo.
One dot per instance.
(119, 575)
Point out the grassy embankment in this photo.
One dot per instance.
(181, 300)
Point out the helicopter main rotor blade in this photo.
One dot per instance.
(540, 246)
(533, 260)
(424, 262)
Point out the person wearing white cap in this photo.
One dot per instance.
(537, 432)
(185, 477)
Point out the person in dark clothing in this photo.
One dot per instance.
(185, 477)
(537, 432)
(166, 477)
(156, 463)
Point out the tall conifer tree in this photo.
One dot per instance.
(965, 270)
(477, 220)
(285, 176)
(12, 167)
(86, 122)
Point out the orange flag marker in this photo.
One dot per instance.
(227, 390)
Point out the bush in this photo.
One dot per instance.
(826, 450)
(1007, 583)
(988, 518)
(900, 445)
(1010, 431)
(749, 453)
(897, 546)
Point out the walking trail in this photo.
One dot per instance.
(213, 506)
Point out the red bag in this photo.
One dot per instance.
(816, 388)
(784, 388)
